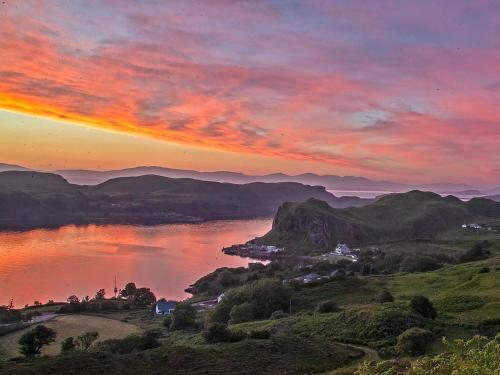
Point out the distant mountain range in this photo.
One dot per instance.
(345, 184)
(31, 199)
(315, 225)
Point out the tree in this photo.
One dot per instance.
(144, 297)
(414, 341)
(129, 290)
(37, 303)
(85, 341)
(100, 294)
(183, 316)
(31, 343)
(242, 313)
(384, 297)
(68, 345)
(73, 299)
(423, 306)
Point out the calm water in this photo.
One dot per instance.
(55, 263)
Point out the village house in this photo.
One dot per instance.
(165, 307)
(342, 249)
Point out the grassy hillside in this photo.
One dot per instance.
(32, 199)
(414, 215)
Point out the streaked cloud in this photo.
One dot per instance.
(385, 89)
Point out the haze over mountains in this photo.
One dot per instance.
(330, 182)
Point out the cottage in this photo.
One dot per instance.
(342, 249)
(309, 278)
(165, 307)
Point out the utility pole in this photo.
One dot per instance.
(116, 289)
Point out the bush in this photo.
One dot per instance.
(68, 345)
(484, 270)
(167, 321)
(262, 334)
(384, 297)
(414, 341)
(327, 307)
(419, 264)
(423, 306)
(477, 252)
(183, 316)
(131, 343)
(278, 314)
(218, 332)
(242, 313)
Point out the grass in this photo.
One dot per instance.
(70, 325)
(279, 355)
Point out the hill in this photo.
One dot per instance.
(407, 216)
(34, 199)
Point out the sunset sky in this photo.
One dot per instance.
(400, 90)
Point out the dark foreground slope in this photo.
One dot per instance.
(32, 199)
(406, 216)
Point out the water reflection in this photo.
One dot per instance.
(54, 263)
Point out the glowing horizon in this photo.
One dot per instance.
(387, 90)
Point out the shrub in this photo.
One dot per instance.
(423, 306)
(278, 314)
(183, 316)
(217, 332)
(414, 341)
(242, 313)
(85, 341)
(476, 252)
(167, 321)
(262, 334)
(327, 307)
(68, 345)
(384, 297)
(131, 343)
(419, 264)
(484, 270)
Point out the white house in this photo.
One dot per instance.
(165, 307)
(342, 249)
(220, 298)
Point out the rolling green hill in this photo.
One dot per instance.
(32, 199)
(414, 215)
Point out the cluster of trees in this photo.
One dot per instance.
(256, 300)
(129, 296)
(81, 343)
(478, 251)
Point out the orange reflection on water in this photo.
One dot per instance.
(55, 263)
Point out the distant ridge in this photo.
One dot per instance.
(34, 199)
(330, 182)
(12, 167)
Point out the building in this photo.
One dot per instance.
(342, 249)
(311, 277)
(220, 298)
(472, 226)
(165, 307)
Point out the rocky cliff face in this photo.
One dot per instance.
(314, 222)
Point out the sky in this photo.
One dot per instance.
(401, 90)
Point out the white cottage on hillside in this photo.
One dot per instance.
(342, 249)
